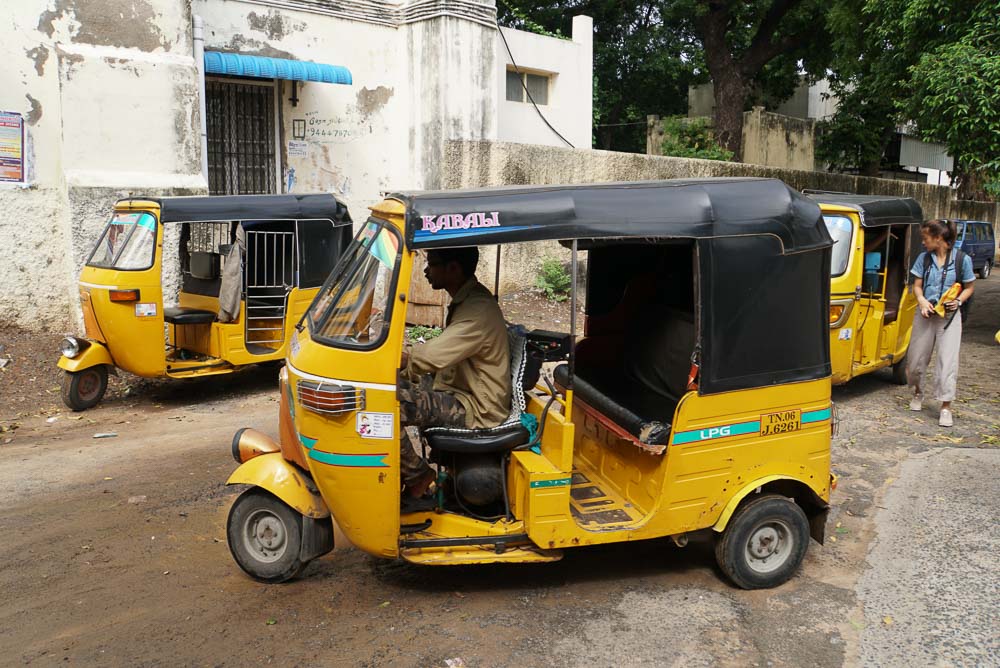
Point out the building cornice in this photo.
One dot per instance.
(391, 14)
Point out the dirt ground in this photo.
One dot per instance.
(114, 549)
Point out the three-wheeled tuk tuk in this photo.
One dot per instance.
(250, 265)
(876, 240)
(698, 398)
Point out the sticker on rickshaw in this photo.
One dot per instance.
(780, 423)
(375, 425)
(145, 309)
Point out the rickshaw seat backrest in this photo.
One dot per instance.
(508, 434)
(204, 265)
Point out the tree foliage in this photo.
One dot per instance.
(932, 63)
(747, 46)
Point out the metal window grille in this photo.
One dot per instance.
(240, 124)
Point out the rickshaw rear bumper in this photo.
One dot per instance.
(91, 354)
(273, 473)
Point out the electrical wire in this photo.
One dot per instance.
(526, 91)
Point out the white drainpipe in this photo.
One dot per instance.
(199, 59)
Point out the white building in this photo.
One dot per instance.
(110, 97)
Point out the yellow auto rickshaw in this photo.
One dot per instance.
(876, 240)
(697, 399)
(249, 267)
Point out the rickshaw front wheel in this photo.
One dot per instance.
(84, 389)
(265, 536)
(764, 542)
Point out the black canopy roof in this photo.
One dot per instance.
(679, 208)
(876, 210)
(320, 206)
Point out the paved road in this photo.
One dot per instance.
(932, 591)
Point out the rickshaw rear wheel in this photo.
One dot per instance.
(899, 372)
(84, 389)
(764, 542)
(265, 536)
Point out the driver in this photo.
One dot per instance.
(461, 378)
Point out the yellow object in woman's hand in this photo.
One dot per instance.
(950, 295)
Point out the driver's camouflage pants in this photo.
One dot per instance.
(420, 406)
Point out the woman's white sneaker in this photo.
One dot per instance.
(916, 403)
(945, 419)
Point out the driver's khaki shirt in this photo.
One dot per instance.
(471, 358)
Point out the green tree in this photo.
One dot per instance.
(754, 45)
(955, 99)
(933, 63)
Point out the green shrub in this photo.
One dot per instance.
(691, 138)
(553, 280)
(417, 332)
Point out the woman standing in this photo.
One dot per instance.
(935, 271)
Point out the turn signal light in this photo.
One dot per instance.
(124, 295)
(836, 311)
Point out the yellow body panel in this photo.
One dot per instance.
(862, 342)
(358, 476)
(273, 473)
(92, 355)
(722, 447)
(137, 344)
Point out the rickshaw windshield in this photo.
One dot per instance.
(128, 243)
(353, 308)
(841, 228)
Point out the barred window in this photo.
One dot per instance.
(241, 138)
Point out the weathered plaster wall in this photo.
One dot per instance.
(777, 140)
(570, 107)
(481, 164)
(108, 91)
(450, 93)
(355, 139)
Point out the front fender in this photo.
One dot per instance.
(93, 355)
(277, 476)
(727, 513)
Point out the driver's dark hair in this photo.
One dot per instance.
(467, 258)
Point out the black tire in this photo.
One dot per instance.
(265, 536)
(766, 528)
(84, 389)
(984, 273)
(899, 372)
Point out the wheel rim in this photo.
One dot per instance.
(89, 385)
(264, 536)
(769, 546)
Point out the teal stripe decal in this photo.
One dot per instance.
(559, 482)
(712, 433)
(816, 416)
(339, 459)
(352, 461)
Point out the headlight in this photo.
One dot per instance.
(69, 347)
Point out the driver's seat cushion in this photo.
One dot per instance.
(178, 315)
(505, 436)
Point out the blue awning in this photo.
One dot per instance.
(262, 67)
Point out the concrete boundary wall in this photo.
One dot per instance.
(480, 164)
